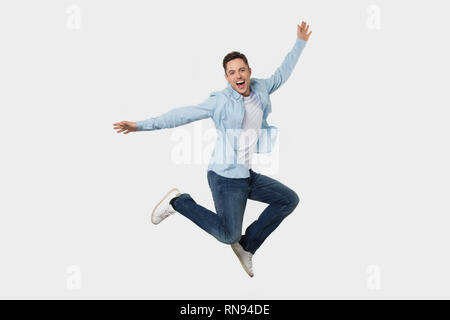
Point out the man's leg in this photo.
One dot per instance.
(282, 201)
(230, 199)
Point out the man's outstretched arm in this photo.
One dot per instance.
(284, 71)
(173, 118)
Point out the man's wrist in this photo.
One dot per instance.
(140, 125)
(300, 43)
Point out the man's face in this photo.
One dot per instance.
(237, 71)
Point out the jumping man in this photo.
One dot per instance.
(240, 115)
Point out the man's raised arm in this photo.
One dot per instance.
(173, 118)
(284, 71)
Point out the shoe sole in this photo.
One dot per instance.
(242, 263)
(159, 203)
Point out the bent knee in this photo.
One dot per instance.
(295, 199)
(292, 200)
(230, 238)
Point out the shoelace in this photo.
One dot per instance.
(170, 210)
(250, 260)
(166, 214)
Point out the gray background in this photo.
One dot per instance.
(363, 140)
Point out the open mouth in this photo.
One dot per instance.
(240, 84)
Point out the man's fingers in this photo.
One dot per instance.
(309, 33)
(122, 126)
(307, 28)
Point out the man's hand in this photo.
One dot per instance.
(302, 31)
(126, 126)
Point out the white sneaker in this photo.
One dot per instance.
(245, 258)
(164, 209)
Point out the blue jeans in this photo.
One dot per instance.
(230, 198)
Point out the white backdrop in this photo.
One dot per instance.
(364, 134)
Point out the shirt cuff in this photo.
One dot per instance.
(300, 42)
(144, 125)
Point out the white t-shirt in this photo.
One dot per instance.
(251, 127)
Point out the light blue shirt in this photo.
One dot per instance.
(226, 109)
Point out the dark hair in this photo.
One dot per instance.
(234, 55)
